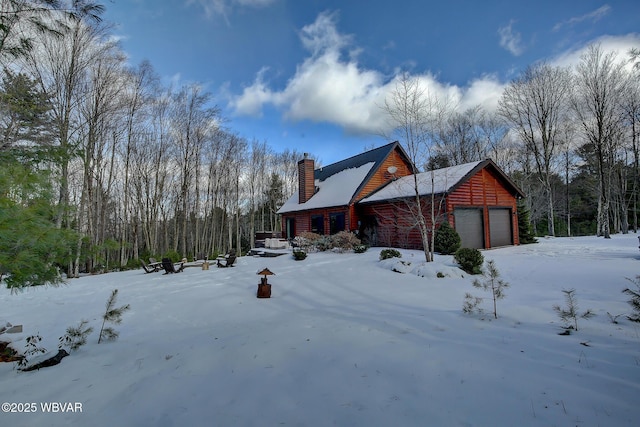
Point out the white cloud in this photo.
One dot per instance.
(331, 86)
(510, 39)
(619, 44)
(224, 7)
(594, 16)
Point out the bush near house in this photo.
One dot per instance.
(389, 253)
(447, 239)
(470, 260)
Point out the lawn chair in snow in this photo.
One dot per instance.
(170, 267)
(150, 268)
(227, 260)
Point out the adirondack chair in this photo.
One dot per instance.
(169, 267)
(227, 260)
(148, 268)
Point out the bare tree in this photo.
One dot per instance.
(599, 85)
(412, 114)
(23, 22)
(535, 104)
(631, 110)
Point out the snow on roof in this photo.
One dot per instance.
(443, 180)
(337, 190)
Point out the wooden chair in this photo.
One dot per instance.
(228, 259)
(147, 268)
(169, 267)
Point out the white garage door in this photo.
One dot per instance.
(469, 227)
(500, 230)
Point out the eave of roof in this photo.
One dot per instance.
(438, 181)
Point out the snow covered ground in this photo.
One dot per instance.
(343, 341)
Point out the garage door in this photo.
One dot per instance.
(500, 230)
(469, 227)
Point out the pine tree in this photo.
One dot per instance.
(111, 315)
(447, 240)
(75, 337)
(570, 313)
(31, 246)
(524, 224)
(634, 302)
(492, 283)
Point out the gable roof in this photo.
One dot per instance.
(336, 190)
(338, 183)
(438, 181)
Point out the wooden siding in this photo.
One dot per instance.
(382, 176)
(484, 190)
(396, 226)
(303, 219)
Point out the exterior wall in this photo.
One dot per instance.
(395, 226)
(485, 190)
(382, 176)
(303, 219)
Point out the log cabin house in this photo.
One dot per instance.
(373, 195)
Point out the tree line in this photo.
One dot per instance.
(103, 164)
(568, 136)
(113, 165)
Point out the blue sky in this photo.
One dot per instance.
(312, 74)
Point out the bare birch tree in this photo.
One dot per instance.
(412, 112)
(599, 86)
(535, 104)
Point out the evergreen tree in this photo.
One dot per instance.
(492, 283)
(524, 224)
(31, 247)
(447, 240)
(570, 314)
(634, 300)
(111, 315)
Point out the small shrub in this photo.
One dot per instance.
(570, 314)
(75, 337)
(389, 253)
(299, 255)
(173, 256)
(446, 240)
(469, 259)
(634, 300)
(471, 304)
(32, 348)
(344, 241)
(111, 315)
(360, 249)
(492, 283)
(306, 240)
(322, 244)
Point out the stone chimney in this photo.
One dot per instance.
(306, 182)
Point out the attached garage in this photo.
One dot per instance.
(500, 227)
(469, 225)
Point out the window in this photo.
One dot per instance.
(317, 224)
(336, 222)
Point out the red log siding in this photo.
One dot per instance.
(397, 227)
(483, 190)
(303, 219)
(382, 176)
